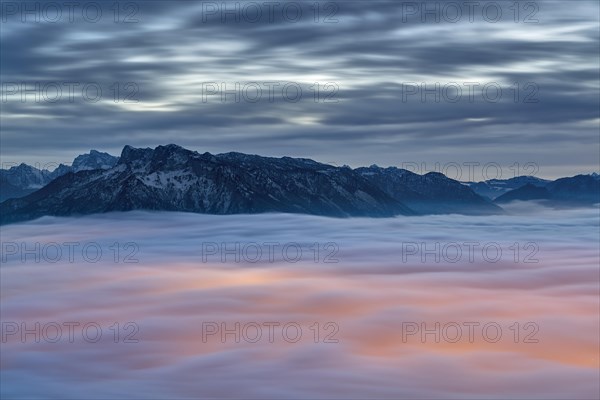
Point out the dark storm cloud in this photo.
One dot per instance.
(371, 51)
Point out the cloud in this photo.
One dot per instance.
(368, 53)
(377, 287)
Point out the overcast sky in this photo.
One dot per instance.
(538, 61)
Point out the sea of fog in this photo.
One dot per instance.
(157, 305)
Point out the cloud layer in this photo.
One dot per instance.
(378, 290)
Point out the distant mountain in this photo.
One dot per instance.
(573, 191)
(94, 160)
(432, 193)
(526, 192)
(172, 178)
(495, 188)
(577, 189)
(24, 179)
(9, 190)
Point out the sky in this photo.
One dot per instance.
(528, 76)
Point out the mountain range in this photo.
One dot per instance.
(23, 179)
(494, 188)
(579, 190)
(172, 178)
(432, 193)
(563, 192)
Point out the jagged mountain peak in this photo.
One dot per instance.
(129, 152)
(21, 167)
(167, 157)
(132, 155)
(93, 160)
